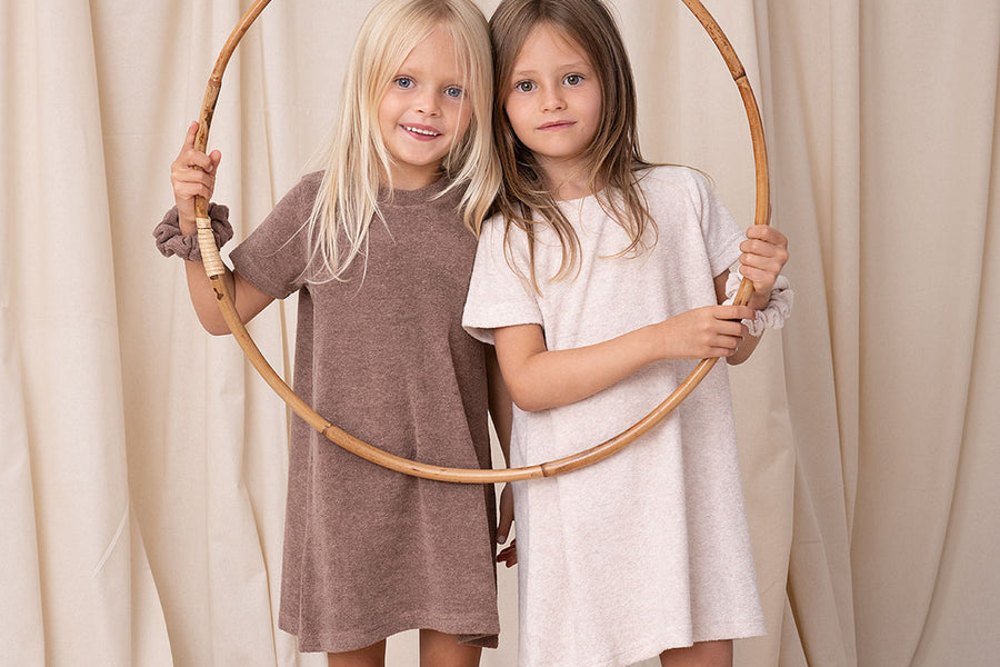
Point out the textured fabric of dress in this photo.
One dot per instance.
(369, 552)
(649, 549)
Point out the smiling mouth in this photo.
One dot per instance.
(421, 131)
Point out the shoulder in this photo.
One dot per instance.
(298, 201)
(309, 185)
(672, 178)
(675, 184)
(496, 231)
(492, 231)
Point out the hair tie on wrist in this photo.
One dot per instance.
(779, 306)
(171, 241)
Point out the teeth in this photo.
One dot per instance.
(426, 133)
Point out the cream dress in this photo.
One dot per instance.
(649, 549)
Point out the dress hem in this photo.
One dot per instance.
(653, 649)
(485, 636)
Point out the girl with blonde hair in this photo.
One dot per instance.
(379, 247)
(601, 281)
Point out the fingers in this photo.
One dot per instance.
(724, 332)
(729, 330)
(767, 234)
(709, 331)
(188, 145)
(190, 137)
(762, 278)
(191, 190)
(733, 314)
(509, 555)
(193, 173)
(506, 517)
(190, 157)
(195, 159)
(767, 257)
(764, 254)
(187, 179)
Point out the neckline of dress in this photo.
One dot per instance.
(424, 195)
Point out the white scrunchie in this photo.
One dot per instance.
(778, 307)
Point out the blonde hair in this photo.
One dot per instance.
(356, 160)
(613, 160)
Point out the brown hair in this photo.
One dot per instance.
(613, 159)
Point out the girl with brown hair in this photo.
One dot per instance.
(601, 280)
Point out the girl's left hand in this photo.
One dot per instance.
(765, 253)
(507, 556)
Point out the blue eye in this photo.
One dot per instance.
(404, 82)
(524, 86)
(573, 79)
(454, 92)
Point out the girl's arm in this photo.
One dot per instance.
(499, 402)
(502, 414)
(765, 253)
(539, 379)
(193, 174)
(247, 299)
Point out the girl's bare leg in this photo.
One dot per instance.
(702, 654)
(440, 650)
(373, 656)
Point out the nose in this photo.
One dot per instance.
(427, 103)
(553, 99)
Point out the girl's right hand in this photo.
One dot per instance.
(192, 174)
(709, 332)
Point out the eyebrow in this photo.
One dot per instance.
(423, 75)
(576, 65)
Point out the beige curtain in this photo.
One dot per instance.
(142, 463)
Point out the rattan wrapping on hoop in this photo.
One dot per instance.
(216, 270)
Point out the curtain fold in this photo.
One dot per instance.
(143, 463)
(929, 137)
(81, 584)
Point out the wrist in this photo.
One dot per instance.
(187, 225)
(175, 236)
(658, 342)
(773, 313)
(759, 300)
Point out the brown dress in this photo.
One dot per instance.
(369, 552)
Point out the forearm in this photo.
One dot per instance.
(749, 343)
(548, 379)
(203, 297)
(499, 403)
(247, 300)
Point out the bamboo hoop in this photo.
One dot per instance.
(215, 270)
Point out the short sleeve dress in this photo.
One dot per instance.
(369, 552)
(649, 549)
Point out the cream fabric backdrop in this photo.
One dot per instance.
(143, 464)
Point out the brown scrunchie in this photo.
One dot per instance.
(170, 240)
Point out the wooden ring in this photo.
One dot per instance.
(215, 270)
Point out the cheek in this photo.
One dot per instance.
(515, 114)
(596, 106)
(385, 111)
(464, 119)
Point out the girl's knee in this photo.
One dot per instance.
(371, 656)
(438, 649)
(701, 654)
